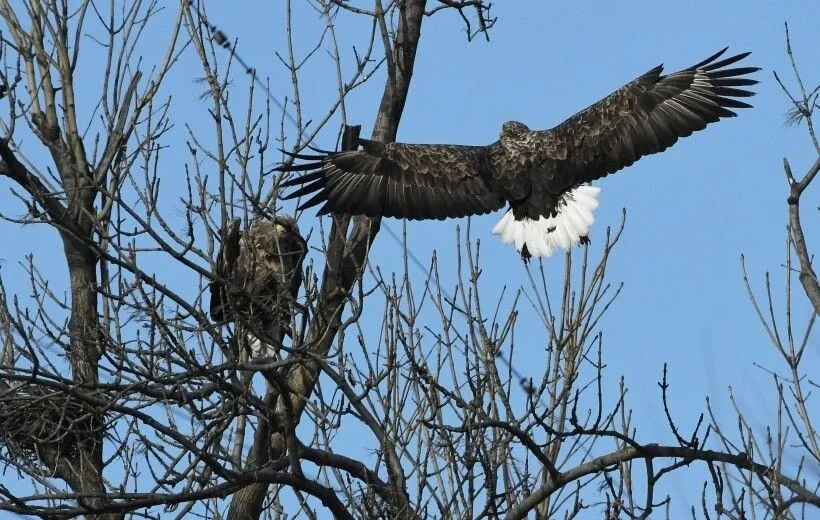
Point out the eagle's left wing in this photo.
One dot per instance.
(646, 116)
(225, 264)
(414, 181)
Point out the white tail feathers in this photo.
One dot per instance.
(547, 234)
(258, 348)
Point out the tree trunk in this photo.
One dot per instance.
(346, 255)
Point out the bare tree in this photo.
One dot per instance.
(201, 359)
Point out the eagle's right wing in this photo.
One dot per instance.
(414, 181)
(647, 116)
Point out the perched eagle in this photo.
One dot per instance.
(259, 274)
(542, 174)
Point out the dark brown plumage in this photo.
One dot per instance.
(262, 272)
(538, 173)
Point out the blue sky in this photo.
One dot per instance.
(692, 211)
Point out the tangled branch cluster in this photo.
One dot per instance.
(33, 416)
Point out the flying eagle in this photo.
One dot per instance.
(542, 174)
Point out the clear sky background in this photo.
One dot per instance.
(692, 211)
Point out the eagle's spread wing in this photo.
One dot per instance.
(647, 116)
(415, 181)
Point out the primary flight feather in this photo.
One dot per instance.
(543, 175)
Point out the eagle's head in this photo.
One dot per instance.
(512, 131)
